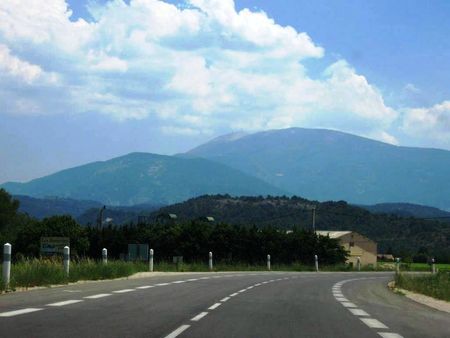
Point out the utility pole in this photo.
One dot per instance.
(314, 218)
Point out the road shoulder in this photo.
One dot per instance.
(434, 303)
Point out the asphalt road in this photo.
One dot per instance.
(223, 305)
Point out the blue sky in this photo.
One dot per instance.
(83, 81)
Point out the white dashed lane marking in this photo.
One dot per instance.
(19, 312)
(389, 335)
(359, 312)
(373, 323)
(214, 306)
(363, 315)
(124, 291)
(178, 331)
(199, 316)
(100, 295)
(66, 302)
(348, 304)
(143, 287)
(225, 299)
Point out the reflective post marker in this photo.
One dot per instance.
(150, 261)
(6, 271)
(397, 265)
(433, 266)
(358, 263)
(268, 262)
(316, 261)
(66, 260)
(105, 256)
(210, 261)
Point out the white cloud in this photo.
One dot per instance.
(198, 68)
(18, 68)
(430, 123)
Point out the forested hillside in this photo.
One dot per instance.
(403, 236)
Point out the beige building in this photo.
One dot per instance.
(356, 244)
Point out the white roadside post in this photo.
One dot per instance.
(316, 262)
(105, 256)
(6, 273)
(268, 262)
(397, 265)
(433, 266)
(358, 263)
(66, 260)
(150, 261)
(210, 261)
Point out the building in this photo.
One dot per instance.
(356, 244)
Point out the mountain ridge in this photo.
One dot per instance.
(326, 164)
(138, 178)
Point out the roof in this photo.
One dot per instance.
(333, 234)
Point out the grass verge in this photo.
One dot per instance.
(35, 272)
(436, 286)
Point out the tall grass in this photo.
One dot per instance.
(437, 285)
(36, 272)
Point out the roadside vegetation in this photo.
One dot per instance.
(45, 272)
(436, 285)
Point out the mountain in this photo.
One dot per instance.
(46, 207)
(139, 178)
(403, 236)
(330, 165)
(408, 210)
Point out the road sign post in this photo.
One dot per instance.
(105, 256)
(210, 261)
(150, 261)
(268, 262)
(6, 270)
(66, 260)
(397, 265)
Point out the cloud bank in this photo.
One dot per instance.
(200, 67)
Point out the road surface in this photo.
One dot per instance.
(260, 304)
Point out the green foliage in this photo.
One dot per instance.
(28, 237)
(437, 285)
(230, 244)
(402, 236)
(43, 272)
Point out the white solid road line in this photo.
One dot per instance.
(199, 316)
(124, 291)
(389, 335)
(225, 299)
(100, 295)
(143, 287)
(342, 299)
(66, 302)
(359, 312)
(19, 312)
(373, 323)
(192, 280)
(215, 306)
(177, 331)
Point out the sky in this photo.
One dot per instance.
(83, 81)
